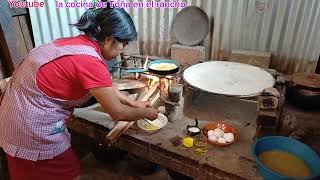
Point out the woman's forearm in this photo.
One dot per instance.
(132, 114)
(118, 111)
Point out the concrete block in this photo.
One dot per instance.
(256, 58)
(186, 55)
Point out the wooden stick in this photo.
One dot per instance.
(116, 131)
(152, 103)
(129, 124)
(154, 100)
(122, 126)
(150, 92)
(143, 92)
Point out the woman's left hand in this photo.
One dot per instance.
(142, 104)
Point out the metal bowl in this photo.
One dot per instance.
(190, 26)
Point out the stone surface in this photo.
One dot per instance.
(271, 91)
(268, 102)
(256, 58)
(175, 93)
(187, 55)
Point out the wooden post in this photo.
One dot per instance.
(7, 38)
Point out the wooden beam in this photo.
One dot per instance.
(18, 11)
(8, 35)
(6, 60)
(21, 43)
(154, 100)
(25, 24)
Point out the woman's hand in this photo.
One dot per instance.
(152, 113)
(142, 104)
(119, 111)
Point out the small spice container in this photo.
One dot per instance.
(193, 130)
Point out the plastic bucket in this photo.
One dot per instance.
(289, 145)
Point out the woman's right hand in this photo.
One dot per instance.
(152, 113)
(106, 96)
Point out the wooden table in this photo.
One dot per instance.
(164, 148)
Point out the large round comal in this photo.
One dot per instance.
(228, 78)
(190, 26)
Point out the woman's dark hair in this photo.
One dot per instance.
(102, 23)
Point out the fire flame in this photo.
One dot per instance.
(165, 83)
(151, 80)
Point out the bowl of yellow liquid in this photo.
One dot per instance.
(154, 125)
(283, 158)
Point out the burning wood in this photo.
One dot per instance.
(150, 92)
(166, 84)
(164, 87)
(150, 80)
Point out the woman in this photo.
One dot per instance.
(50, 82)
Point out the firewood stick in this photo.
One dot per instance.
(124, 125)
(150, 92)
(129, 124)
(116, 130)
(142, 92)
(154, 100)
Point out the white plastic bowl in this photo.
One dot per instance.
(160, 122)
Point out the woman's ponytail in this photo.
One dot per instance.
(88, 24)
(106, 22)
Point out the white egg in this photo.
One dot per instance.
(229, 137)
(221, 140)
(218, 132)
(210, 133)
(212, 138)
